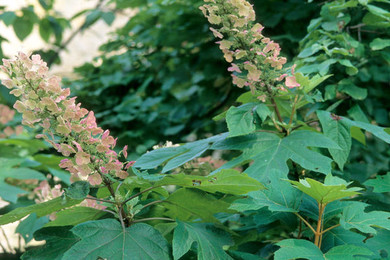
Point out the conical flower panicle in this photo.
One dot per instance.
(255, 59)
(71, 130)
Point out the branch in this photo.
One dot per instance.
(332, 227)
(305, 221)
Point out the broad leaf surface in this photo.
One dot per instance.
(324, 193)
(208, 239)
(106, 239)
(381, 183)
(340, 133)
(41, 209)
(78, 190)
(299, 248)
(176, 156)
(226, 181)
(75, 215)
(355, 217)
(270, 153)
(29, 225)
(240, 120)
(9, 192)
(339, 236)
(279, 196)
(188, 204)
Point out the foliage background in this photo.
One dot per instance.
(161, 77)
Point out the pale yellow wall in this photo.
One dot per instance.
(83, 48)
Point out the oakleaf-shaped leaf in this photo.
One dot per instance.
(355, 217)
(381, 183)
(107, 239)
(226, 181)
(324, 193)
(188, 204)
(279, 196)
(208, 239)
(340, 133)
(270, 153)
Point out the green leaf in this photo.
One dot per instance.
(379, 44)
(263, 111)
(355, 217)
(379, 132)
(28, 226)
(8, 18)
(379, 244)
(8, 192)
(23, 26)
(347, 86)
(279, 196)
(107, 239)
(62, 175)
(108, 17)
(45, 29)
(270, 153)
(340, 236)
(58, 241)
(21, 173)
(41, 209)
(226, 181)
(347, 252)
(176, 156)
(75, 215)
(381, 183)
(78, 190)
(240, 120)
(340, 133)
(92, 18)
(208, 239)
(312, 83)
(324, 193)
(189, 204)
(298, 248)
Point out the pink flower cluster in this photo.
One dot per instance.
(6, 115)
(255, 60)
(71, 130)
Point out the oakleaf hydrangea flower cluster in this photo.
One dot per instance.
(254, 58)
(71, 130)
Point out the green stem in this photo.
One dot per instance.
(318, 233)
(305, 221)
(332, 227)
